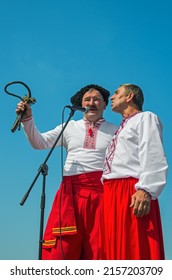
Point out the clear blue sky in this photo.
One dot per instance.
(56, 47)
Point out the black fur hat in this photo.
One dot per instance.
(76, 99)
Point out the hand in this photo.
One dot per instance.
(141, 203)
(24, 107)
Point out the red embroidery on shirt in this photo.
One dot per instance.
(91, 134)
(90, 131)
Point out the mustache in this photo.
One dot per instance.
(93, 107)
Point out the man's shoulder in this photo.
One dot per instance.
(76, 123)
(149, 114)
(148, 117)
(110, 126)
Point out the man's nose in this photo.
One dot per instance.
(91, 101)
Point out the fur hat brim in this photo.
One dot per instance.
(76, 99)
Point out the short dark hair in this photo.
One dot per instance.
(138, 99)
(76, 99)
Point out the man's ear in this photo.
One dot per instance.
(130, 96)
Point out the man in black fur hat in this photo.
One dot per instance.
(72, 230)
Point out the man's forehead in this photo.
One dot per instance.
(121, 88)
(92, 92)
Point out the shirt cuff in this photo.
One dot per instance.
(26, 120)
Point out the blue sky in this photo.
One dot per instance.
(56, 47)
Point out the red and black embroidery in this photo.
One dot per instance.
(91, 133)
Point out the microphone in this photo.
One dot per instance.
(78, 108)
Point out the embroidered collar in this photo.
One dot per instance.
(130, 116)
(93, 123)
(91, 126)
(91, 133)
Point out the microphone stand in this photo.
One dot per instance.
(44, 170)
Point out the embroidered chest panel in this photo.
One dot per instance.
(91, 134)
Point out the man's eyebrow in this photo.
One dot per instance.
(117, 90)
(96, 97)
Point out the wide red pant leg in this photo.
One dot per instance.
(126, 236)
(87, 192)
